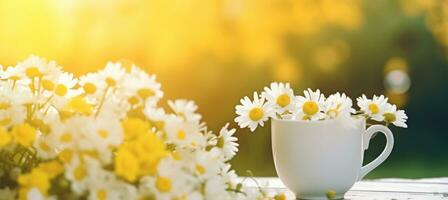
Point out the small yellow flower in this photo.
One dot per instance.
(5, 137)
(52, 168)
(79, 105)
(126, 164)
(133, 127)
(149, 150)
(24, 134)
(36, 178)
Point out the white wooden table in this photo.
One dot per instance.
(428, 189)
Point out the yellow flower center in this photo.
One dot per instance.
(181, 135)
(133, 100)
(281, 196)
(200, 169)
(389, 117)
(310, 108)
(110, 82)
(65, 156)
(374, 108)
(101, 194)
(44, 146)
(14, 78)
(89, 88)
(256, 114)
(103, 133)
(79, 173)
(66, 137)
(163, 184)
(283, 100)
(145, 93)
(333, 113)
(220, 142)
(60, 90)
(32, 72)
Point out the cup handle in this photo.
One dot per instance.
(386, 152)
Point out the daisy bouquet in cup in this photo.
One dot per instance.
(103, 136)
(278, 101)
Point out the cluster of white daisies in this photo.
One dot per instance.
(104, 136)
(279, 102)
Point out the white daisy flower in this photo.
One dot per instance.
(141, 88)
(154, 113)
(36, 67)
(311, 106)
(171, 181)
(206, 164)
(338, 105)
(45, 147)
(13, 75)
(114, 106)
(157, 116)
(12, 104)
(183, 133)
(92, 85)
(105, 185)
(227, 142)
(77, 173)
(281, 96)
(216, 187)
(74, 133)
(113, 74)
(253, 113)
(373, 108)
(186, 109)
(63, 90)
(394, 116)
(106, 133)
(229, 175)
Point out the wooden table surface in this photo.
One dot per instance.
(391, 188)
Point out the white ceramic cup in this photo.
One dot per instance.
(314, 157)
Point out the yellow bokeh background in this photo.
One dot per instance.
(82, 35)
